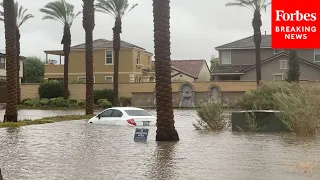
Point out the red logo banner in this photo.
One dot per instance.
(295, 24)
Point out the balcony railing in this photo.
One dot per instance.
(53, 68)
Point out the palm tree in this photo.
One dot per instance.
(116, 9)
(256, 6)
(11, 114)
(21, 17)
(62, 12)
(165, 120)
(88, 25)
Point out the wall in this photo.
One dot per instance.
(271, 68)
(247, 56)
(204, 74)
(78, 91)
(181, 77)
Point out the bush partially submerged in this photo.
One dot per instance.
(300, 110)
(299, 104)
(263, 98)
(211, 116)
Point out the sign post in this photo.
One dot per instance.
(141, 134)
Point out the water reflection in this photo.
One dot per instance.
(76, 150)
(163, 166)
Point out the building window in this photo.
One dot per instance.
(278, 77)
(2, 63)
(226, 57)
(109, 57)
(277, 51)
(82, 79)
(317, 55)
(138, 57)
(283, 64)
(108, 79)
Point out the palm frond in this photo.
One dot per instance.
(115, 8)
(20, 14)
(250, 4)
(60, 11)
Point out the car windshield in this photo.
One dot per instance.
(137, 113)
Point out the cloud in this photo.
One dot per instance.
(196, 28)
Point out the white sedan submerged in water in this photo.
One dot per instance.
(124, 116)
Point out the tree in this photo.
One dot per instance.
(88, 25)
(116, 9)
(213, 62)
(165, 120)
(293, 73)
(62, 12)
(256, 6)
(11, 114)
(33, 69)
(21, 17)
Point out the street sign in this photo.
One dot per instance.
(141, 134)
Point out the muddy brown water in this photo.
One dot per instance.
(75, 150)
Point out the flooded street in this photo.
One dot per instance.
(75, 150)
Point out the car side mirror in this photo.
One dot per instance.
(99, 116)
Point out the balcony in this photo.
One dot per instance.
(53, 68)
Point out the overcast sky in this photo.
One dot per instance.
(196, 28)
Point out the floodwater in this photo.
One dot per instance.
(75, 150)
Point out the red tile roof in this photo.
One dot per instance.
(189, 67)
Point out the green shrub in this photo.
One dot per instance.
(263, 98)
(125, 101)
(103, 94)
(51, 89)
(81, 103)
(44, 102)
(211, 116)
(52, 101)
(61, 102)
(104, 103)
(28, 102)
(22, 102)
(73, 102)
(300, 110)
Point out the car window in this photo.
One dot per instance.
(116, 113)
(106, 113)
(137, 113)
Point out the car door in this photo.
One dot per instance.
(116, 117)
(105, 116)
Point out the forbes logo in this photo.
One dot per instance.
(281, 15)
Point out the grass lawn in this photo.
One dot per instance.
(45, 120)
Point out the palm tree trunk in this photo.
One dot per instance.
(116, 47)
(11, 114)
(18, 66)
(256, 23)
(165, 120)
(66, 41)
(1, 178)
(88, 25)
